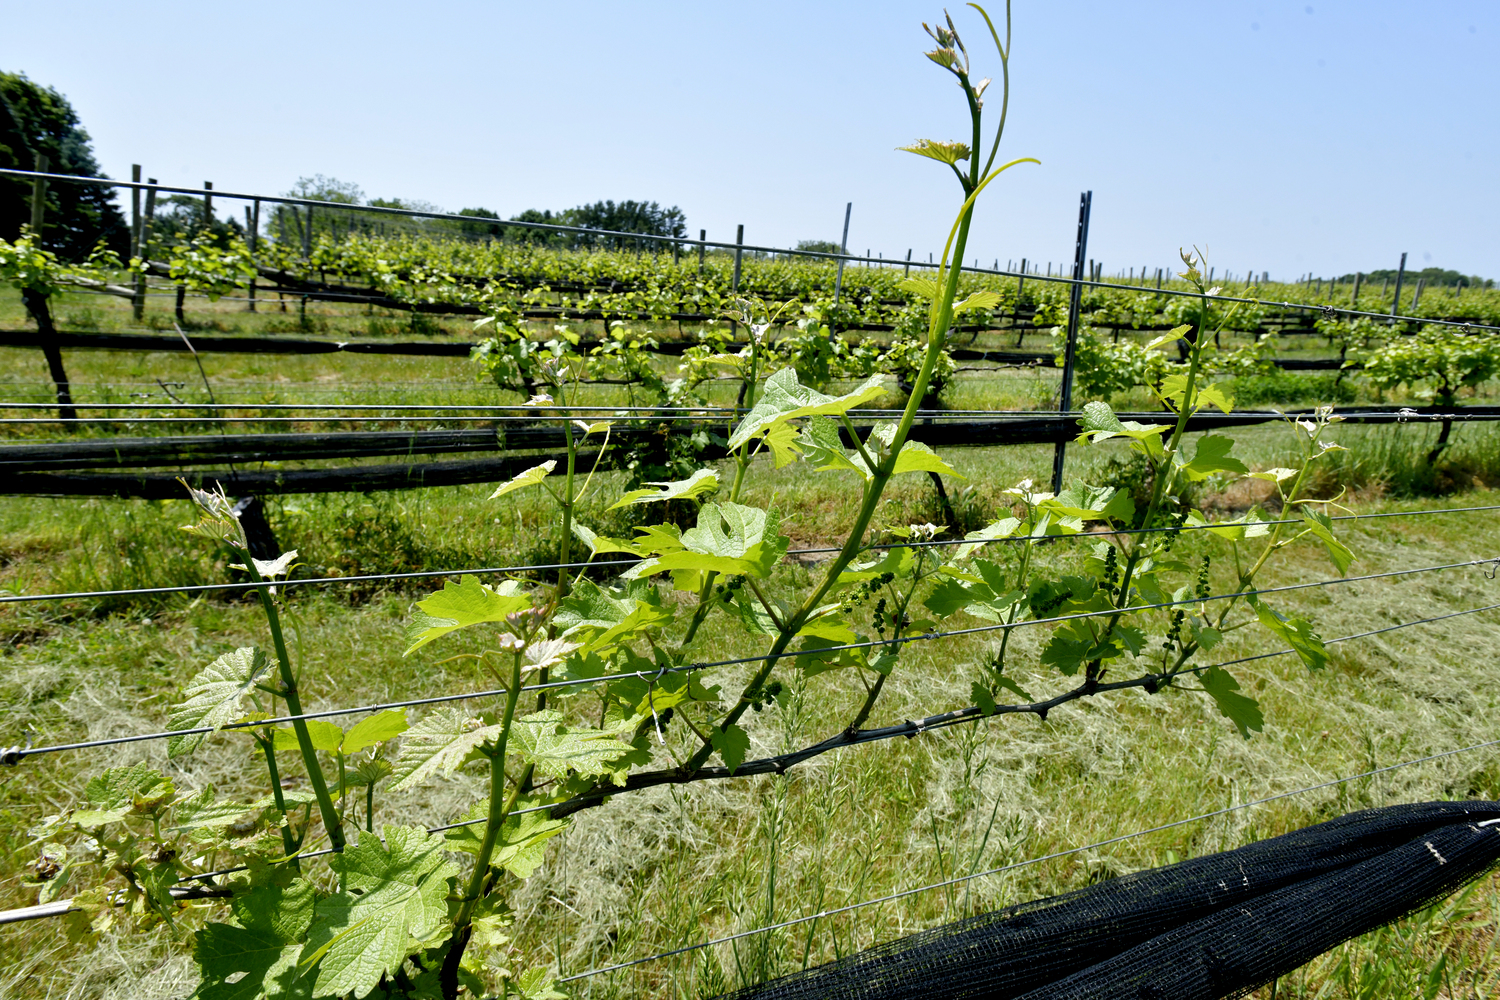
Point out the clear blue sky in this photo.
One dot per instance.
(1290, 137)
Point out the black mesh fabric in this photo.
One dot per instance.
(1215, 926)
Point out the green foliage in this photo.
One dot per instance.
(1102, 369)
(1440, 360)
(629, 699)
(79, 217)
(213, 697)
(395, 903)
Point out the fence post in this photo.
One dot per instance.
(138, 281)
(1416, 297)
(254, 235)
(1396, 301)
(838, 281)
(39, 196)
(1359, 276)
(702, 245)
(208, 205)
(907, 273)
(739, 251)
(1075, 301)
(307, 235)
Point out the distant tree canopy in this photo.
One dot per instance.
(819, 246)
(36, 119)
(647, 218)
(480, 228)
(1429, 275)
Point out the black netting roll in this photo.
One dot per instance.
(1216, 926)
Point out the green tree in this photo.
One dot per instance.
(819, 246)
(39, 120)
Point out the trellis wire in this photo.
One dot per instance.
(14, 755)
(817, 550)
(891, 735)
(1327, 310)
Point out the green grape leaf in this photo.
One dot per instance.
(531, 477)
(922, 287)
(323, 735)
(1243, 711)
(555, 749)
(917, 457)
(1295, 632)
(538, 984)
(442, 741)
(1212, 455)
(1321, 525)
(1100, 423)
(742, 550)
(944, 152)
(782, 440)
(212, 698)
(1247, 525)
(1206, 638)
(1216, 395)
(376, 729)
(615, 618)
(896, 561)
(395, 903)
(1171, 335)
(459, 605)
(988, 598)
(601, 544)
(1091, 503)
(815, 655)
(701, 482)
(1014, 688)
(1174, 388)
(120, 791)
(784, 398)
(733, 744)
(1002, 528)
(824, 447)
(982, 698)
(260, 964)
(1067, 653)
(204, 811)
(1277, 475)
(521, 843)
(273, 912)
(977, 300)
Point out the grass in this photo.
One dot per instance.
(670, 867)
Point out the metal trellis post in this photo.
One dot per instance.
(1075, 300)
(1396, 300)
(739, 252)
(39, 196)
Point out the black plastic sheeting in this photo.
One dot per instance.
(1213, 927)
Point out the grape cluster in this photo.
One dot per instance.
(760, 697)
(1111, 575)
(862, 592)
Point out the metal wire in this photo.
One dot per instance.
(1031, 861)
(816, 550)
(14, 755)
(736, 247)
(892, 735)
(369, 578)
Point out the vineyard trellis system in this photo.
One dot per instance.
(1125, 615)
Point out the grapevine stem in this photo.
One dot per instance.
(288, 692)
(288, 840)
(499, 807)
(853, 545)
